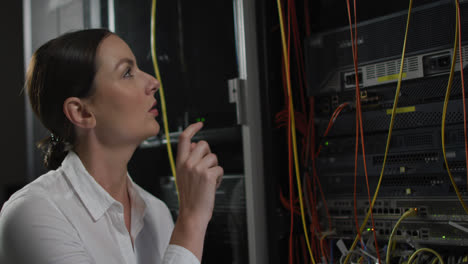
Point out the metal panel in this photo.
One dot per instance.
(251, 133)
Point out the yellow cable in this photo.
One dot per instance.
(412, 257)
(161, 93)
(444, 114)
(408, 213)
(389, 136)
(360, 259)
(293, 130)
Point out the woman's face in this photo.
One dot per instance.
(123, 101)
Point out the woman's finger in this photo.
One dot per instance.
(199, 152)
(209, 161)
(218, 173)
(183, 148)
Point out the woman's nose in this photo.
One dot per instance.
(152, 85)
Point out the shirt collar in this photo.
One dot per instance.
(95, 198)
(138, 207)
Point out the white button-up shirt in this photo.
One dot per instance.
(66, 217)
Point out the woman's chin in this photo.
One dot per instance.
(155, 128)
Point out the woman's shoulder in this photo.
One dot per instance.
(36, 194)
(32, 222)
(33, 204)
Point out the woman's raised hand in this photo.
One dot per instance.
(198, 175)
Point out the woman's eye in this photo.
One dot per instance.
(128, 73)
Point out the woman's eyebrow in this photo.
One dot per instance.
(124, 60)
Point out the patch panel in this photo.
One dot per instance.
(416, 231)
(429, 209)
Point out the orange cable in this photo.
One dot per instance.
(356, 149)
(304, 250)
(330, 125)
(295, 32)
(314, 170)
(359, 122)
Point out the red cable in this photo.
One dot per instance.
(323, 251)
(296, 244)
(304, 250)
(463, 89)
(357, 130)
(291, 190)
(314, 226)
(286, 204)
(314, 170)
(330, 124)
(359, 122)
(295, 32)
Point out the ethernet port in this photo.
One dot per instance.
(397, 211)
(398, 232)
(385, 211)
(415, 233)
(387, 232)
(392, 211)
(422, 211)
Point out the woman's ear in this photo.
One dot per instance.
(77, 112)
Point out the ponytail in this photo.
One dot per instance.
(55, 150)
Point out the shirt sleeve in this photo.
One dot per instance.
(174, 254)
(179, 255)
(33, 230)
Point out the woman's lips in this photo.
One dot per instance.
(154, 112)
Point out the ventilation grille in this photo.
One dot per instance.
(410, 120)
(414, 180)
(392, 67)
(464, 55)
(419, 140)
(455, 137)
(457, 166)
(407, 159)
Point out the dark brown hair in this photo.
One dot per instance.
(61, 68)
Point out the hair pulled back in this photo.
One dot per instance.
(61, 68)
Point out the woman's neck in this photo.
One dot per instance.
(108, 167)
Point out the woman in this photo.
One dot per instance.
(86, 89)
